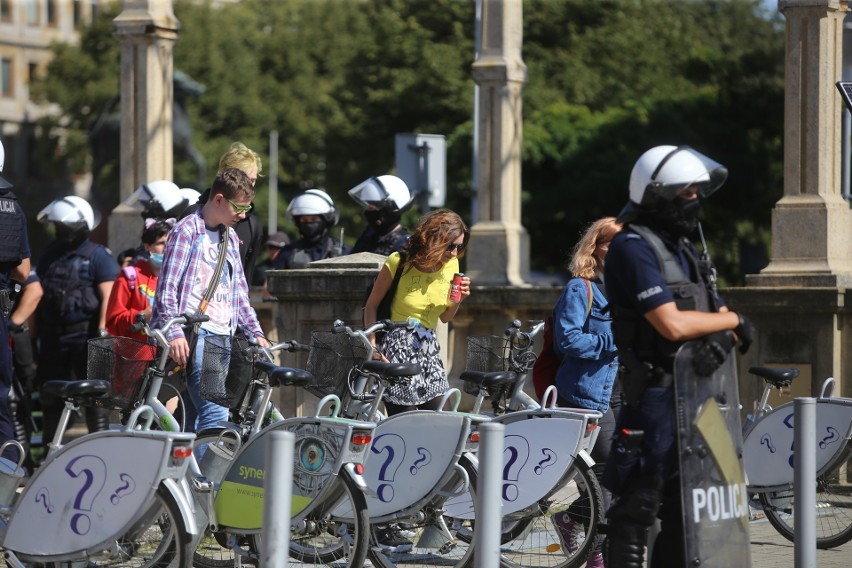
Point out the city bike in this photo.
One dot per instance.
(768, 459)
(109, 498)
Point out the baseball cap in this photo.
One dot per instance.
(278, 240)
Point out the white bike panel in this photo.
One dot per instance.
(85, 496)
(768, 448)
(537, 453)
(410, 454)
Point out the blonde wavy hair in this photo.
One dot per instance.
(435, 231)
(241, 157)
(584, 263)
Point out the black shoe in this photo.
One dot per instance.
(390, 540)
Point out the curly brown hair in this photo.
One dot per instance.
(435, 231)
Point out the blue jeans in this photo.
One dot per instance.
(207, 414)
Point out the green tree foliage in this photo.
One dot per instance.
(607, 79)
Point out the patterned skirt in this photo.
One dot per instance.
(415, 345)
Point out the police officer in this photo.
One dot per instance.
(661, 296)
(384, 200)
(14, 269)
(314, 214)
(77, 276)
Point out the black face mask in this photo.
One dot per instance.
(312, 231)
(678, 217)
(71, 236)
(382, 220)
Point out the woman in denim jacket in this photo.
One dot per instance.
(582, 337)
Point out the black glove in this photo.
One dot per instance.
(745, 333)
(712, 353)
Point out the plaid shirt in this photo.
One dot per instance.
(180, 268)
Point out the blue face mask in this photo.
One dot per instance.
(156, 258)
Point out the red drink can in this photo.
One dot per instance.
(455, 288)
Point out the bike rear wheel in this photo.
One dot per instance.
(833, 506)
(532, 539)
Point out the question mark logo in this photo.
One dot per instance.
(788, 422)
(395, 456)
(128, 487)
(833, 436)
(766, 440)
(93, 471)
(424, 460)
(518, 450)
(549, 460)
(43, 496)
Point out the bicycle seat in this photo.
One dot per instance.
(486, 379)
(778, 378)
(284, 376)
(75, 389)
(391, 370)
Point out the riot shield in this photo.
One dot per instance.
(713, 488)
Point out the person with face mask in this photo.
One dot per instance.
(133, 291)
(314, 214)
(384, 199)
(661, 297)
(77, 276)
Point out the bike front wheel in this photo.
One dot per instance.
(833, 506)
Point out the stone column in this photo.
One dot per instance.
(499, 247)
(147, 31)
(811, 224)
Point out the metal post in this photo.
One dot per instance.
(272, 223)
(804, 481)
(489, 496)
(277, 485)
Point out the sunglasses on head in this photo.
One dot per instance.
(455, 247)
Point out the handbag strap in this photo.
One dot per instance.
(589, 297)
(217, 274)
(397, 275)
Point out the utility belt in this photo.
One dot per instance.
(66, 328)
(5, 303)
(637, 375)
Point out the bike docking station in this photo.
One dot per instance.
(804, 482)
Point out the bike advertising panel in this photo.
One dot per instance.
(713, 487)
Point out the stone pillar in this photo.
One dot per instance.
(147, 31)
(812, 223)
(499, 247)
(800, 303)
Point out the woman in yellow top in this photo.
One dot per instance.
(430, 259)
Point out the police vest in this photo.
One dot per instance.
(10, 228)
(69, 287)
(691, 292)
(302, 256)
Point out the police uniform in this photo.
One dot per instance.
(15, 248)
(68, 317)
(642, 270)
(299, 253)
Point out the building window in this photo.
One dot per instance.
(51, 13)
(95, 11)
(32, 13)
(77, 15)
(5, 10)
(6, 86)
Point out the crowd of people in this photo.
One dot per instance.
(636, 293)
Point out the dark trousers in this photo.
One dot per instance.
(63, 356)
(7, 424)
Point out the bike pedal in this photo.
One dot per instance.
(448, 546)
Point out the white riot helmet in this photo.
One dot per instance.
(4, 183)
(314, 202)
(72, 211)
(190, 195)
(661, 172)
(382, 192)
(159, 199)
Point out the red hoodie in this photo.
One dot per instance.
(125, 304)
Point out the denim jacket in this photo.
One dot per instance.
(589, 361)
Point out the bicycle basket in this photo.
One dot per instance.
(331, 359)
(121, 361)
(226, 370)
(486, 354)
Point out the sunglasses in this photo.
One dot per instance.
(455, 247)
(239, 208)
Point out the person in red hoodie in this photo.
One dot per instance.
(133, 292)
